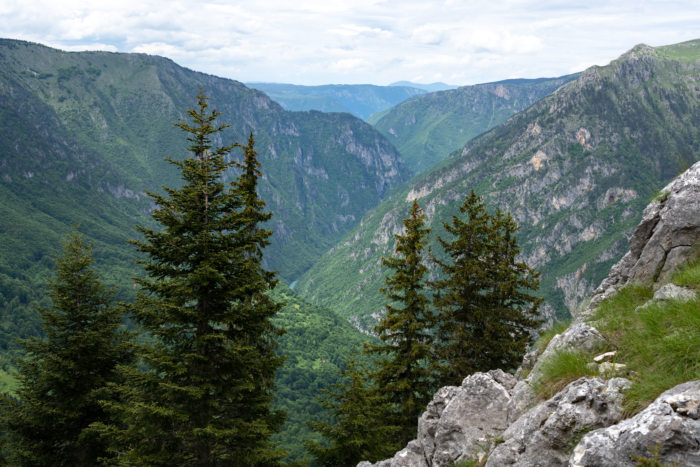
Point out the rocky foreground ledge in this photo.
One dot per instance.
(494, 419)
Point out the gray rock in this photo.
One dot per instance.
(670, 424)
(410, 456)
(522, 398)
(428, 422)
(477, 414)
(546, 434)
(459, 423)
(663, 240)
(673, 292)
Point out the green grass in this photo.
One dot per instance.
(660, 343)
(689, 275)
(560, 370)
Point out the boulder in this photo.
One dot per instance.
(470, 421)
(410, 456)
(673, 292)
(546, 434)
(668, 432)
(460, 423)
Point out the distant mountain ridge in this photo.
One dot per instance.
(426, 129)
(432, 87)
(361, 100)
(575, 170)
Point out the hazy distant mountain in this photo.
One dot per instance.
(575, 169)
(428, 128)
(432, 87)
(361, 100)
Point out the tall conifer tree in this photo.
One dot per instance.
(404, 372)
(204, 398)
(486, 309)
(63, 377)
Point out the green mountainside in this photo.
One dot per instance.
(575, 170)
(83, 136)
(361, 100)
(428, 128)
(316, 344)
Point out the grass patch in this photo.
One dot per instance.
(560, 370)
(660, 342)
(689, 274)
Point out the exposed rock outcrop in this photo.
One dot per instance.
(667, 431)
(496, 417)
(663, 240)
(460, 423)
(545, 435)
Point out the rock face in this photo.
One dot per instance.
(545, 434)
(663, 240)
(667, 431)
(460, 423)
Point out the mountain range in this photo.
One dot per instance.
(426, 129)
(575, 170)
(574, 159)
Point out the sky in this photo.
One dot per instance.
(315, 42)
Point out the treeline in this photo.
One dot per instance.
(193, 384)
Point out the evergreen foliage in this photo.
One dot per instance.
(203, 392)
(404, 369)
(357, 434)
(486, 311)
(64, 375)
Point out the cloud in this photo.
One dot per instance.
(377, 41)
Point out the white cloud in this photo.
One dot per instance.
(353, 41)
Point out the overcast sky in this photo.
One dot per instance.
(359, 41)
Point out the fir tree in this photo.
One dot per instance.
(64, 375)
(486, 310)
(357, 431)
(204, 391)
(404, 371)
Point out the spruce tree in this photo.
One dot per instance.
(203, 392)
(486, 311)
(357, 432)
(404, 371)
(64, 375)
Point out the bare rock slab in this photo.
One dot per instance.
(670, 424)
(546, 434)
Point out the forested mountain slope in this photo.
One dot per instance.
(83, 136)
(426, 129)
(361, 100)
(575, 170)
